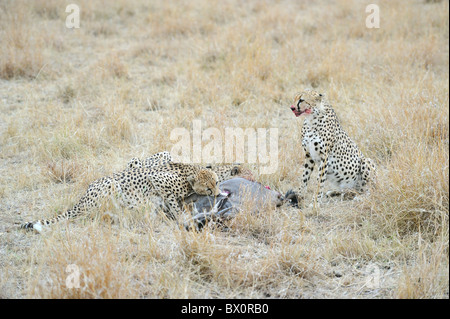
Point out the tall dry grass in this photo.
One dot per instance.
(77, 104)
(21, 52)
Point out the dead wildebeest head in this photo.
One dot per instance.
(235, 193)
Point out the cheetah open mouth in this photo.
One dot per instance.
(298, 113)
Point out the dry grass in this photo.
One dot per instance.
(77, 104)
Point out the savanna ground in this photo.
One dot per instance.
(77, 104)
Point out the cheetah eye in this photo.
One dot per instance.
(300, 101)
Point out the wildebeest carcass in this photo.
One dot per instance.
(236, 193)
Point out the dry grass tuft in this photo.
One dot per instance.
(97, 260)
(428, 277)
(22, 47)
(63, 171)
(417, 186)
(112, 66)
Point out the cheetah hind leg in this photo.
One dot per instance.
(90, 200)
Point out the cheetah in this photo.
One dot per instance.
(327, 145)
(136, 185)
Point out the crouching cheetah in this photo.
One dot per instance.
(136, 186)
(138, 183)
(327, 145)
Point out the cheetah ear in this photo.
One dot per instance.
(320, 97)
(235, 170)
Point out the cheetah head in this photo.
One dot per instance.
(205, 183)
(305, 102)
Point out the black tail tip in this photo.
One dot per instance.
(27, 226)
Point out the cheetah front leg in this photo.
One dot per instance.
(323, 171)
(308, 167)
(173, 209)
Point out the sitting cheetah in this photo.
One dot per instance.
(135, 186)
(327, 145)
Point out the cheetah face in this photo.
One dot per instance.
(306, 102)
(205, 183)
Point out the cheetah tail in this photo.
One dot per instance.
(38, 224)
